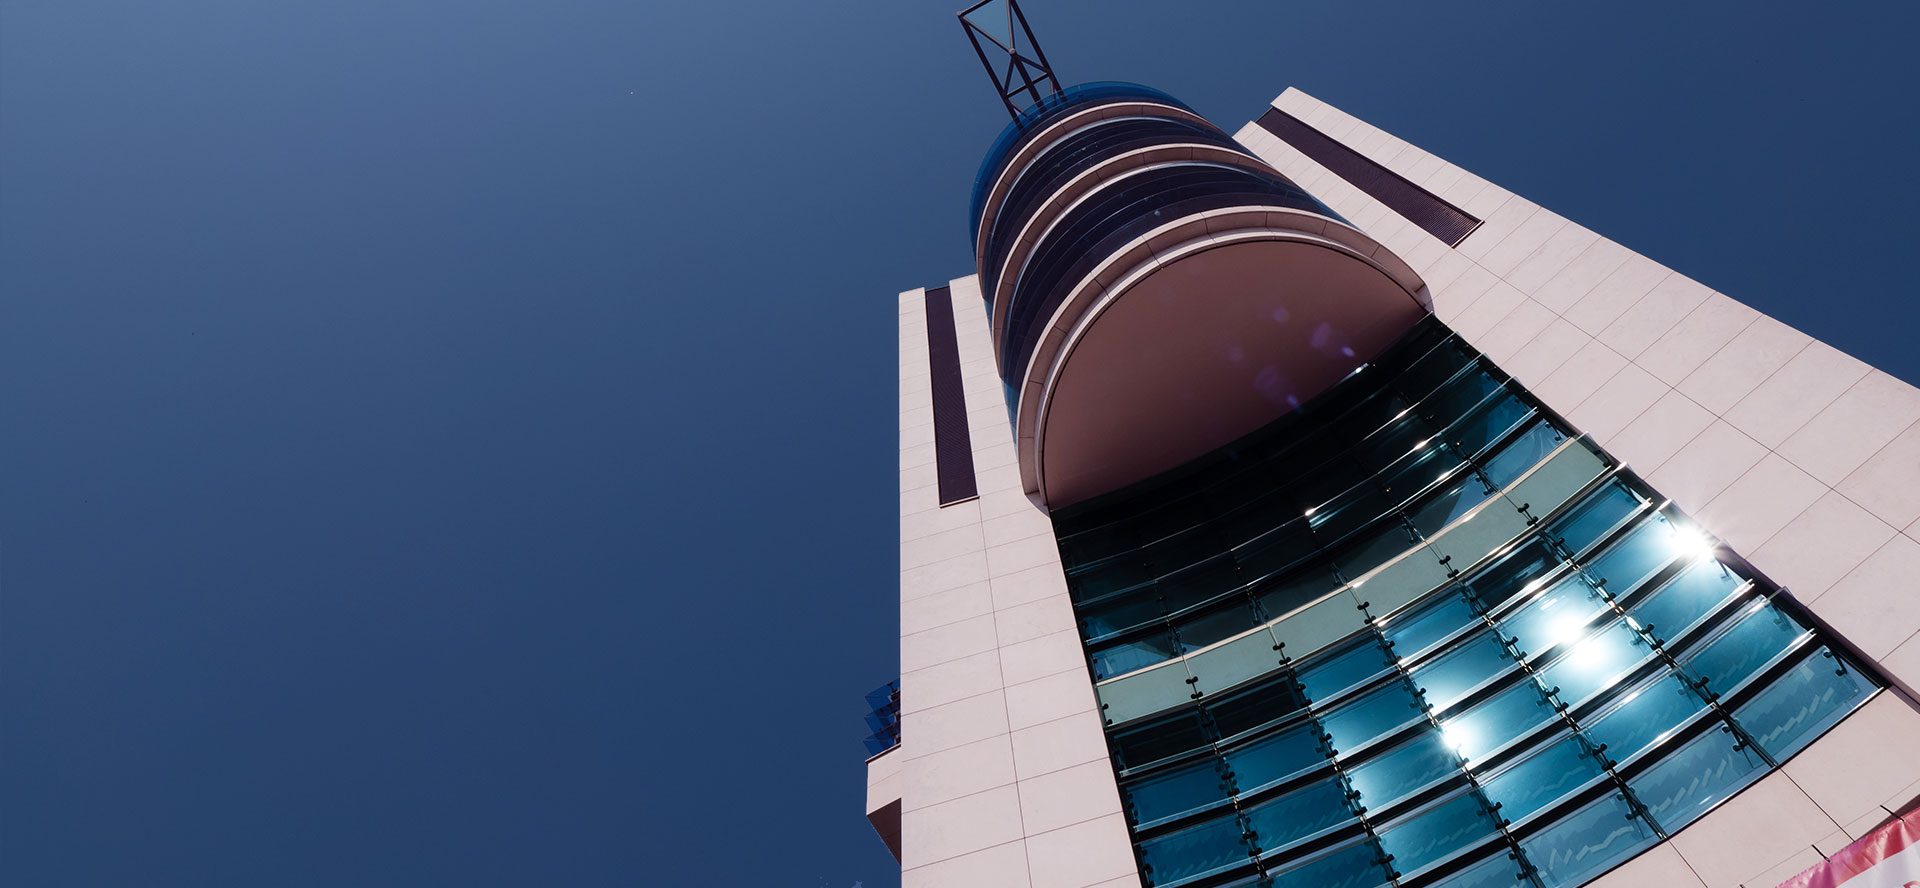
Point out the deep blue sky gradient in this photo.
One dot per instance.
(452, 444)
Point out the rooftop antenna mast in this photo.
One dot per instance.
(1026, 76)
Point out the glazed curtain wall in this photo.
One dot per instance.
(1418, 634)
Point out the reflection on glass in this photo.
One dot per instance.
(1541, 778)
(1275, 757)
(1463, 667)
(1514, 573)
(1135, 653)
(1377, 712)
(1144, 744)
(1449, 505)
(1498, 871)
(1298, 814)
(1523, 453)
(1209, 846)
(1558, 616)
(1644, 550)
(1174, 792)
(1759, 636)
(1592, 662)
(1254, 707)
(1441, 616)
(1327, 676)
(1686, 598)
(1355, 865)
(1600, 512)
(1488, 726)
(1588, 842)
(1424, 837)
(1404, 768)
(1703, 773)
(1814, 695)
(1645, 716)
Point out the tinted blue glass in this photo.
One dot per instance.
(1426, 836)
(1636, 555)
(1449, 505)
(1137, 653)
(1174, 792)
(1119, 612)
(1215, 625)
(1645, 716)
(1209, 846)
(1594, 516)
(1558, 616)
(1542, 778)
(1375, 713)
(1523, 452)
(1686, 598)
(1462, 667)
(1498, 871)
(1270, 759)
(1759, 636)
(1146, 743)
(1798, 706)
(1357, 865)
(1592, 662)
(1326, 676)
(1255, 707)
(1588, 842)
(1402, 769)
(1488, 726)
(1513, 574)
(1704, 772)
(1480, 429)
(1298, 814)
(1440, 617)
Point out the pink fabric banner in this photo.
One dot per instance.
(1888, 857)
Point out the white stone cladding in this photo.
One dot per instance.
(1802, 458)
(1004, 773)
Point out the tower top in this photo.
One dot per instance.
(1025, 79)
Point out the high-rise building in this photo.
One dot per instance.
(1296, 508)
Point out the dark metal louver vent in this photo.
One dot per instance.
(1434, 216)
(952, 443)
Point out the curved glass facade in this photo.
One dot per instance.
(1109, 218)
(1420, 634)
(1033, 119)
(1071, 156)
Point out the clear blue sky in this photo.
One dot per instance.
(452, 444)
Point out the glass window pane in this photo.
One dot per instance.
(1261, 763)
(1407, 767)
(1647, 548)
(1645, 717)
(1557, 617)
(1488, 422)
(1145, 692)
(1461, 668)
(1758, 637)
(1593, 662)
(1513, 573)
(1438, 618)
(1216, 624)
(1524, 453)
(1697, 776)
(1542, 778)
(1588, 842)
(1685, 599)
(1260, 705)
(1326, 676)
(1378, 712)
(1594, 516)
(1488, 726)
(1119, 612)
(1174, 792)
(1427, 836)
(1117, 658)
(1163, 738)
(1449, 505)
(1210, 846)
(1356, 865)
(1498, 871)
(1298, 814)
(1810, 698)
